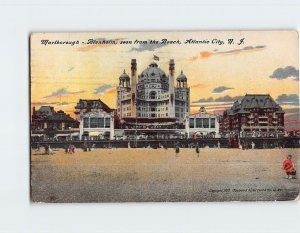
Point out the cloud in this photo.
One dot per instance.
(203, 100)
(51, 103)
(225, 98)
(228, 98)
(208, 54)
(283, 73)
(103, 89)
(147, 47)
(71, 68)
(292, 99)
(197, 85)
(221, 89)
(62, 92)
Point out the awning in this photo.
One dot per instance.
(62, 135)
(95, 134)
(119, 133)
(36, 135)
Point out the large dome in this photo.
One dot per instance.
(153, 71)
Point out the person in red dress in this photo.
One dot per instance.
(289, 167)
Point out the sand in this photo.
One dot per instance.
(158, 175)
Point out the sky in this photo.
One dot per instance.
(218, 71)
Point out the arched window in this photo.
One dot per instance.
(152, 95)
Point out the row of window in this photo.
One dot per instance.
(152, 115)
(202, 122)
(96, 122)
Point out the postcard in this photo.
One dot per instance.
(190, 116)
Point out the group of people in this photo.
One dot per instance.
(197, 149)
(69, 149)
(47, 149)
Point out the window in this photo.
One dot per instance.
(97, 122)
(192, 123)
(199, 122)
(205, 122)
(212, 122)
(107, 122)
(93, 122)
(86, 123)
(152, 95)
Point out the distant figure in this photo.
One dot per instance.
(46, 149)
(177, 149)
(252, 145)
(219, 145)
(66, 149)
(70, 149)
(38, 147)
(197, 149)
(289, 167)
(73, 149)
(50, 151)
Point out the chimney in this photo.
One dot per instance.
(172, 67)
(133, 67)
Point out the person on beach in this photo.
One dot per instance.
(197, 149)
(289, 167)
(177, 149)
(66, 149)
(46, 149)
(38, 147)
(70, 149)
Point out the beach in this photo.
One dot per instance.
(159, 175)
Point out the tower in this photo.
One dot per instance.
(171, 88)
(124, 87)
(182, 98)
(133, 87)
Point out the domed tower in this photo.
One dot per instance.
(124, 80)
(181, 80)
(123, 95)
(182, 98)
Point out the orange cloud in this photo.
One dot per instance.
(205, 54)
(248, 49)
(197, 85)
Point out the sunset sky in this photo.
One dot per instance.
(266, 63)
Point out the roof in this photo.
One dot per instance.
(181, 77)
(153, 70)
(47, 110)
(254, 101)
(60, 116)
(258, 101)
(124, 75)
(93, 104)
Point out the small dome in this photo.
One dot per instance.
(124, 75)
(181, 77)
(153, 64)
